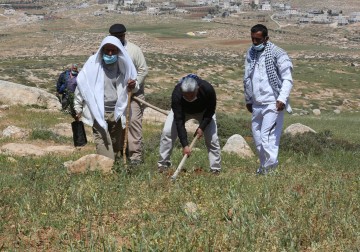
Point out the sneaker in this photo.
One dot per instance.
(215, 172)
(260, 171)
(265, 171)
(135, 162)
(162, 168)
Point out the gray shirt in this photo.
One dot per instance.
(112, 74)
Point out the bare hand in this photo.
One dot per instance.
(186, 151)
(77, 117)
(199, 132)
(280, 106)
(249, 107)
(131, 84)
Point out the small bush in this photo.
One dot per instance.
(161, 100)
(46, 135)
(315, 143)
(36, 106)
(229, 125)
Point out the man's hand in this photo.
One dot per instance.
(199, 132)
(249, 107)
(186, 151)
(280, 106)
(77, 117)
(131, 84)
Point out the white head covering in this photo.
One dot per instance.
(90, 82)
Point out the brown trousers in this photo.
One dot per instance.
(135, 141)
(109, 142)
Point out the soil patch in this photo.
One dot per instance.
(234, 42)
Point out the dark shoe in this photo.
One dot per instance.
(215, 172)
(135, 162)
(260, 171)
(164, 167)
(266, 171)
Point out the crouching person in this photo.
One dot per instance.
(192, 98)
(102, 94)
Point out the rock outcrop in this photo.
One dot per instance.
(237, 144)
(13, 94)
(298, 128)
(90, 162)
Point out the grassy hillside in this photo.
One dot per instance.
(310, 204)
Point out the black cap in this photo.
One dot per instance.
(117, 28)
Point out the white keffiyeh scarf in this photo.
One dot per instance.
(91, 83)
(272, 55)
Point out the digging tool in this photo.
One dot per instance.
(151, 106)
(178, 169)
(127, 127)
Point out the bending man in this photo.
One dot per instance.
(192, 98)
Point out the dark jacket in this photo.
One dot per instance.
(66, 86)
(205, 103)
(62, 81)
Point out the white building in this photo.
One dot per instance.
(291, 12)
(226, 4)
(266, 6)
(354, 17)
(321, 19)
(153, 10)
(128, 2)
(9, 12)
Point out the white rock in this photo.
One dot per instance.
(90, 162)
(191, 208)
(12, 94)
(237, 144)
(15, 132)
(316, 112)
(298, 128)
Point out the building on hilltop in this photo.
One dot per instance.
(354, 17)
(266, 6)
(9, 12)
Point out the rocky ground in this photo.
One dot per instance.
(76, 34)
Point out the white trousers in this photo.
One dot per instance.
(267, 125)
(169, 135)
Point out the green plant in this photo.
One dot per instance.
(316, 143)
(47, 135)
(230, 125)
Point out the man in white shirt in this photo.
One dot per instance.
(267, 85)
(135, 126)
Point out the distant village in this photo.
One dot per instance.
(206, 10)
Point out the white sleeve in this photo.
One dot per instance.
(285, 71)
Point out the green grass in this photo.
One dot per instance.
(342, 126)
(42, 68)
(311, 203)
(173, 30)
(328, 73)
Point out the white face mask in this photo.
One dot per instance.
(259, 47)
